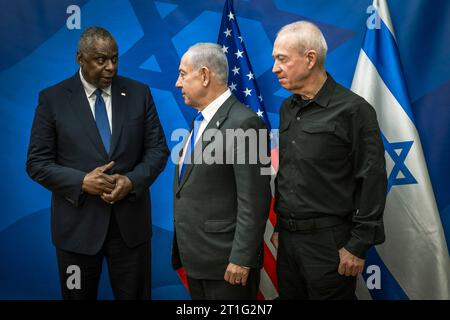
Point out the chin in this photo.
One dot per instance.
(284, 84)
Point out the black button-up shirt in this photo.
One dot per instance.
(332, 163)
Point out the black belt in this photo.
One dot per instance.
(310, 224)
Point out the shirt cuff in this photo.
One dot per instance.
(357, 248)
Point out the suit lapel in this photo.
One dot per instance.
(119, 95)
(177, 164)
(216, 122)
(81, 108)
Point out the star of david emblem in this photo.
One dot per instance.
(400, 174)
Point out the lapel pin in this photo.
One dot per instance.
(123, 94)
(217, 123)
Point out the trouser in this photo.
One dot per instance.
(307, 264)
(129, 269)
(222, 290)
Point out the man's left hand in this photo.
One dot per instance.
(123, 187)
(236, 275)
(350, 265)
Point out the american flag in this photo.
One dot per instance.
(242, 83)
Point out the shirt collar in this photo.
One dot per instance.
(322, 97)
(211, 109)
(90, 89)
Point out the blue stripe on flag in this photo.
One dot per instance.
(390, 289)
(381, 48)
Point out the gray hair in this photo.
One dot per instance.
(210, 55)
(90, 35)
(308, 37)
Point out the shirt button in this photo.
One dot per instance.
(293, 141)
(298, 118)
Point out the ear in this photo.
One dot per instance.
(311, 56)
(80, 59)
(206, 76)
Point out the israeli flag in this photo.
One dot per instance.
(414, 260)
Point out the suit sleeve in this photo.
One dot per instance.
(41, 159)
(253, 197)
(155, 152)
(276, 227)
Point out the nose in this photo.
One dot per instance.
(276, 67)
(178, 83)
(109, 65)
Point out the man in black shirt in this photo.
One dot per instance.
(330, 190)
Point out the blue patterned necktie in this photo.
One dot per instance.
(197, 121)
(101, 118)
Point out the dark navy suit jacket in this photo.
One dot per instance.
(65, 145)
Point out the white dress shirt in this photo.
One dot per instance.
(208, 113)
(89, 89)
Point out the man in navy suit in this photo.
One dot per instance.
(97, 144)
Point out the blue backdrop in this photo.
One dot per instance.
(38, 50)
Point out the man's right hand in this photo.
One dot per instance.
(274, 239)
(98, 182)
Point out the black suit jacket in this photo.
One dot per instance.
(65, 145)
(220, 210)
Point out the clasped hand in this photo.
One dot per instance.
(111, 188)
